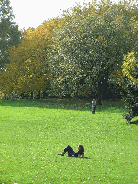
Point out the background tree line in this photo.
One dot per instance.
(88, 52)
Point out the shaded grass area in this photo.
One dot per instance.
(75, 104)
(34, 132)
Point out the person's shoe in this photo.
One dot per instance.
(61, 154)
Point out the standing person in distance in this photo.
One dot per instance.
(93, 106)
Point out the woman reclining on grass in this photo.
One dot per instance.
(71, 153)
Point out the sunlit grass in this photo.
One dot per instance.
(33, 133)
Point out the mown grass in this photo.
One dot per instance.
(34, 132)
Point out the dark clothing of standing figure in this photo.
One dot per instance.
(93, 106)
(72, 153)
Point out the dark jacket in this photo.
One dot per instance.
(80, 152)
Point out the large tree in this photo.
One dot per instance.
(28, 69)
(9, 33)
(94, 40)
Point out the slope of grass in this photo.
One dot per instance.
(33, 133)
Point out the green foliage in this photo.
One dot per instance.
(36, 132)
(129, 84)
(28, 69)
(1, 95)
(93, 40)
(130, 97)
(130, 67)
(9, 33)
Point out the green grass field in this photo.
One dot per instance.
(32, 133)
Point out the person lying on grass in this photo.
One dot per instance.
(71, 153)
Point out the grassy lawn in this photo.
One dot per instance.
(34, 132)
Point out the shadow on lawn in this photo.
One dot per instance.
(69, 104)
(84, 157)
(80, 157)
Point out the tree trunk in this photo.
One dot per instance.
(105, 88)
(38, 95)
(22, 95)
(32, 95)
(44, 95)
(99, 93)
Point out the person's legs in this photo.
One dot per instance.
(93, 109)
(68, 149)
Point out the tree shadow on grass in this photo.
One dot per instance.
(82, 105)
(68, 104)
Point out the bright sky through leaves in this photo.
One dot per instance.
(30, 13)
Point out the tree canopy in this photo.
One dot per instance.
(9, 33)
(95, 39)
(28, 68)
